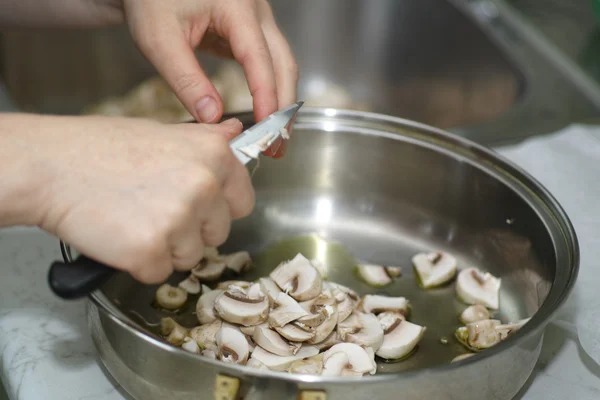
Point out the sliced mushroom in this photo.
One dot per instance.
(327, 326)
(474, 313)
(476, 287)
(209, 270)
(210, 253)
(320, 266)
(205, 306)
(239, 261)
(400, 339)
(170, 297)
(362, 329)
(359, 359)
(308, 366)
(280, 363)
(329, 341)
(232, 344)
(249, 330)
(376, 304)
(335, 364)
(190, 345)
(254, 363)
(299, 278)
(462, 357)
(175, 333)
(251, 343)
(316, 310)
(285, 310)
(393, 272)
(270, 288)
(296, 332)
(234, 285)
(271, 341)
(209, 354)
(254, 292)
(389, 318)
(204, 289)
(336, 288)
(237, 308)
(191, 284)
(434, 269)
(206, 335)
(479, 335)
(506, 330)
(373, 275)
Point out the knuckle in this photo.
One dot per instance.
(186, 82)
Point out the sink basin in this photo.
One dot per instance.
(460, 65)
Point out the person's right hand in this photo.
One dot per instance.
(139, 195)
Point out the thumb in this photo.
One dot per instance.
(173, 56)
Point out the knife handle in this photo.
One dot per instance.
(79, 278)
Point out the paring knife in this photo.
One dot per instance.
(84, 275)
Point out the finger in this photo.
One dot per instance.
(217, 225)
(250, 49)
(239, 192)
(169, 51)
(187, 247)
(229, 128)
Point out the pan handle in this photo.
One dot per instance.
(78, 278)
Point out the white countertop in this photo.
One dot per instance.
(46, 352)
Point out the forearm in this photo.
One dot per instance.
(59, 13)
(24, 169)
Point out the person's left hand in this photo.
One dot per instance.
(168, 31)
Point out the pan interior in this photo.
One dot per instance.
(342, 195)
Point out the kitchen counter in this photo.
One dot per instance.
(46, 352)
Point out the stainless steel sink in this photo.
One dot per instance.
(461, 65)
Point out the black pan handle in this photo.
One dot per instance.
(78, 278)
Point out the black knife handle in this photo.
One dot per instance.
(78, 278)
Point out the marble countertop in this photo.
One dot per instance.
(46, 352)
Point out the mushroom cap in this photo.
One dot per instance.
(232, 344)
(175, 333)
(372, 303)
(326, 327)
(373, 275)
(191, 284)
(434, 269)
(295, 332)
(206, 335)
(308, 366)
(483, 334)
(239, 309)
(271, 341)
(335, 364)
(239, 261)
(254, 292)
(359, 360)
(270, 288)
(329, 341)
(476, 287)
(316, 309)
(400, 340)
(474, 313)
(209, 270)
(299, 278)
(362, 329)
(286, 310)
(205, 306)
(280, 363)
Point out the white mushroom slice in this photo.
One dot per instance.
(270, 288)
(254, 363)
(279, 363)
(320, 266)
(175, 333)
(316, 310)
(376, 304)
(434, 269)
(232, 344)
(299, 278)
(254, 292)
(236, 308)
(400, 339)
(234, 285)
(191, 284)
(476, 287)
(462, 357)
(271, 341)
(389, 318)
(204, 289)
(362, 329)
(335, 364)
(210, 253)
(296, 332)
(474, 313)
(506, 330)
(205, 306)
(170, 297)
(330, 341)
(323, 330)
(251, 344)
(206, 335)
(308, 366)
(239, 261)
(249, 330)
(285, 310)
(373, 275)
(209, 354)
(336, 288)
(209, 270)
(359, 359)
(345, 308)
(190, 345)
(393, 272)
(479, 335)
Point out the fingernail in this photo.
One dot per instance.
(207, 109)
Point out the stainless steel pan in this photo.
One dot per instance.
(384, 188)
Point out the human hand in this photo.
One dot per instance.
(139, 195)
(167, 32)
